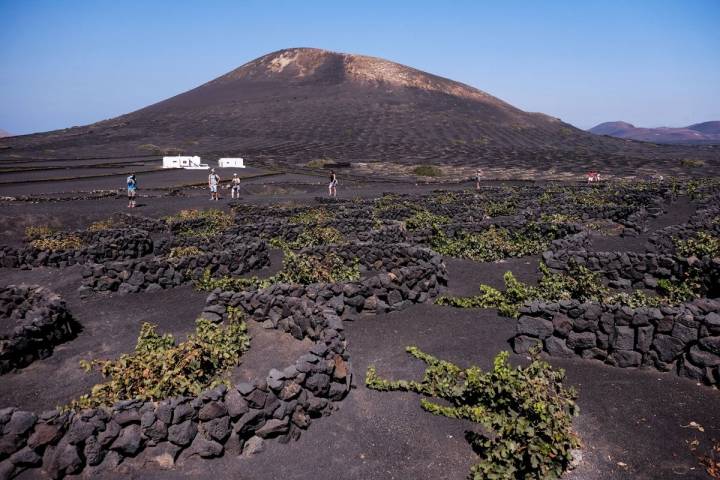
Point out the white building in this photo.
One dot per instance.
(231, 163)
(190, 163)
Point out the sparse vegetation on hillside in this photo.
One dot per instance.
(692, 163)
(156, 150)
(427, 171)
(319, 162)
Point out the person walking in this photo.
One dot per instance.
(332, 187)
(132, 190)
(213, 182)
(235, 186)
(478, 176)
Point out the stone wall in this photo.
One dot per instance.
(230, 420)
(684, 339)
(362, 229)
(705, 220)
(32, 321)
(159, 273)
(219, 421)
(409, 275)
(517, 224)
(626, 270)
(103, 246)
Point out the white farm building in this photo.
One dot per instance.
(231, 162)
(190, 163)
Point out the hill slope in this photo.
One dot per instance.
(712, 128)
(298, 104)
(700, 133)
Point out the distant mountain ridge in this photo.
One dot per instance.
(3, 133)
(698, 133)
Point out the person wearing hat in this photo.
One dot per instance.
(213, 182)
(235, 186)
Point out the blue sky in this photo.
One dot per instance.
(652, 63)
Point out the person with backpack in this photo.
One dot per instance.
(213, 182)
(235, 186)
(131, 190)
(332, 187)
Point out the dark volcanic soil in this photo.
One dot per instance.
(634, 423)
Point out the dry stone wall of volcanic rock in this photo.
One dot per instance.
(103, 246)
(229, 419)
(131, 276)
(627, 270)
(407, 275)
(684, 339)
(32, 321)
(705, 220)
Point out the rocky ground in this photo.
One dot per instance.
(634, 423)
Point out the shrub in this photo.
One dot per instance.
(526, 412)
(229, 284)
(558, 218)
(189, 251)
(311, 237)
(500, 208)
(149, 147)
(101, 225)
(35, 232)
(692, 163)
(201, 223)
(425, 219)
(427, 171)
(578, 284)
(494, 243)
(297, 269)
(307, 269)
(160, 368)
(701, 244)
(58, 243)
(313, 216)
(319, 162)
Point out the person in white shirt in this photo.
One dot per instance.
(235, 186)
(213, 182)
